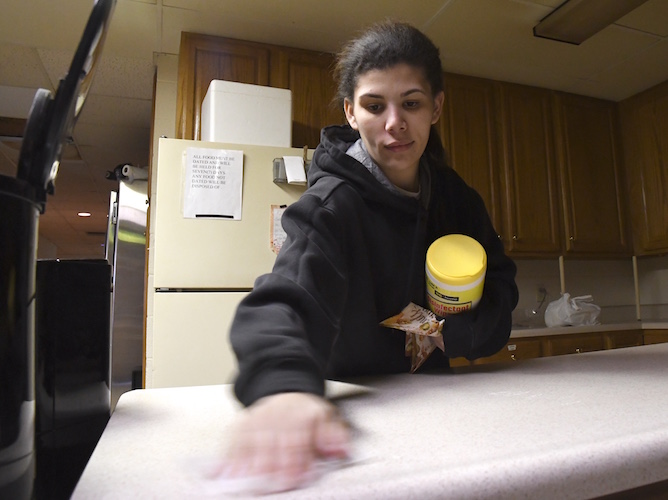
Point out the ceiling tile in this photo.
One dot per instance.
(114, 76)
(44, 23)
(651, 17)
(497, 42)
(108, 137)
(56, 63)
(124, 77)
(293, 23)
(134, 30)
(111, 110)
(22, 67)
(631, 76)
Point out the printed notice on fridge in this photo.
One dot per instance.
(214, 180)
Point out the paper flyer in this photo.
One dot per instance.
(213, 183)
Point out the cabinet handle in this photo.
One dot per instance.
(514, 237)
(512, 356)
(577, 350)
(572, 238)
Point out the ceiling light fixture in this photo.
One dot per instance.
(84, 214)
(576, 20)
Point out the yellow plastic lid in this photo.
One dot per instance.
(456, 259)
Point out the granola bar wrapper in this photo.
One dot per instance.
(424, 332)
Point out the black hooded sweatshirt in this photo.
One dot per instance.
(355, 255)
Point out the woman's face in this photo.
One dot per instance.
(393, 110)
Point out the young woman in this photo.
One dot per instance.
(379, 194)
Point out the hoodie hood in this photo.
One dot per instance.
(331, 159)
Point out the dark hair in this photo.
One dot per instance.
(384, 45)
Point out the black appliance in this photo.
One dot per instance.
(72, 358)
(49, 126)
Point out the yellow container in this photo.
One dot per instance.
(455, 269)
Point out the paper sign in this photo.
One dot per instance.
(214, 181)
(294, 169)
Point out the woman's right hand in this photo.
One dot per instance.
(280, 436)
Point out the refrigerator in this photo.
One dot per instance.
(200, 268)
(125, 250)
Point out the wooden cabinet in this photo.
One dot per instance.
(204, 58)
(655, 336)
(573, 344)
(644, 123)
(587, 145)
(309, 76)
(562, 176)
(515, 350)
(530, 195)
(567, 343)
(623, 338)
(467, 128)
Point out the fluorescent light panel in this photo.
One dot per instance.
(576, 20)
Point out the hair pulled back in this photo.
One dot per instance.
(382, 46)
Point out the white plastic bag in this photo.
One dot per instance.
(576, 311)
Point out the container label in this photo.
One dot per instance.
(443, 308)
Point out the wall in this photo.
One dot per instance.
(610, 282)
(653, 287)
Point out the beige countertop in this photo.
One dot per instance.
(606, 327)
(574, 426)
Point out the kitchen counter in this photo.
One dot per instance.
(520, 332)
(574, 426)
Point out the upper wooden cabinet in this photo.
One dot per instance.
(469, 136)
(587, 145)
(644, 122)
(531, 219)
(204, 58)
(309, 76)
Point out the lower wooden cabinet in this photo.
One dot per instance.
(514, 350)
(655, 336)
(556, 345)
(624, 338)
(573, 344)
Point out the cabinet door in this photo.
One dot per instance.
(469, 137)
(572, 344)
(644, 120)
(590, 174)
(514, 350)
(530, 193)
(655, 336)
(623, 338)
(309, 76)
(204, 58)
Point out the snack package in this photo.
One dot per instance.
(423, 332)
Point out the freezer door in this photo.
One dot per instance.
(189, 342)
(216, 253)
